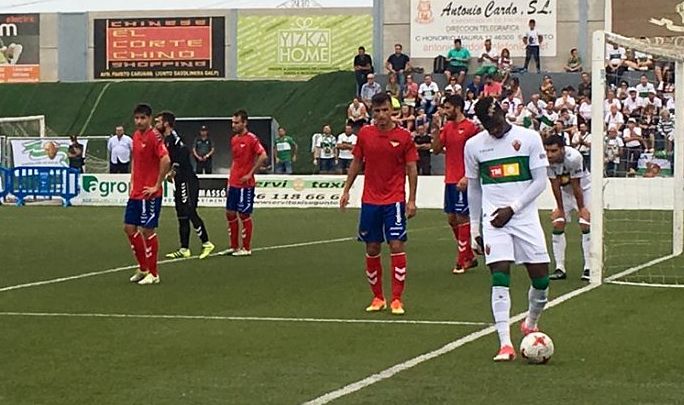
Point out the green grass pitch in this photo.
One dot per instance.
(230, 335)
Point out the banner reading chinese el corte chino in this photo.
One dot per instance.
(436, 23)
(300, 47)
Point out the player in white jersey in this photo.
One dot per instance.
(571, 185)
(506, 167)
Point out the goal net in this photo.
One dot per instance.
(637, 163)
(22, 126)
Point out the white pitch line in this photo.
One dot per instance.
(634, 269)
(167, 261)
(656, 285)
(449, 347)
(242, 318)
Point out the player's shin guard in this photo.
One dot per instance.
(538, 296)
(247, 229)
(184, 232)
(374, 275)
(151, 253)
(398, 261)
(233, 230)
(138, 246)
(501, 307)
(586, 245)
(558, 242)
(465, 252)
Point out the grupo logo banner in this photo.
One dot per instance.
(19, 48)
(436, 23)
(159, 48)
(296, 46)
(111, 189)
(660, 21)
(43, 152)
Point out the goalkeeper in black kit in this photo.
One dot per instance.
(186, 192)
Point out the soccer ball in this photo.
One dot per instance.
(537, 348)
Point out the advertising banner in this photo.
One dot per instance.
(436, 23)
(159, 48)
(660, 21)
(43, 152)
(111, 190)
(296, 46)
(19, 48)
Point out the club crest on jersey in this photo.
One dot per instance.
(394, 144)
(516, 145)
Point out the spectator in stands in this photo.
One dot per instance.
(610, 101)
(665, 131)
(649, 127)
(632, 104)
(203, 151)
(513, 87)
(654, 101)
(536, 107)
(459, 59)
(634, 144)
(661, 68)
(363, 66)
(548, 119)
(622, 91)
(410, 92)
(558, 129)
(582, 142)
(345, 144)
(406, 118)
(392, 87)
(492, 88)
(584, 115)
(513, 100)
(453, 87)
(667, 86)
(315, 138)
(613, 149)
(369, 89)
(421, 117)
(574, 63)
(476, 86)
(470, 102)
(615, 117)
(670, 105)
(548, 90)
(357, 114)
(565, 101)
(505, 64)
(326, 151)
(76, 158)
(489, 60)
(397, 64)
(119, 148)
(532, 41)
(642, 61)
(423, 142)
(644, 87)
(615, 62)
(569, 121)
(427, 92)
(584, 88)
(286, 152)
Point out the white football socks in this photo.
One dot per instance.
(586, 245)
(558, 243)
(537, 302)
(501, 308)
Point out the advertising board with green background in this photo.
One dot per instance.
(300, 47)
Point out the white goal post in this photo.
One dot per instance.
(600, 181)
(16, 122)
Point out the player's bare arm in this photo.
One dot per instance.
(437, 146)
(559, 212)
(412, 173)
(354, 170)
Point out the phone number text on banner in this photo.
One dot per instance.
(436, 23)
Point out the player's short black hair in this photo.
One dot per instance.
(555, 140)
(380, 99)
(143, 109)
(487, 108)
(168, 117)
(456, 100)
(242, 114)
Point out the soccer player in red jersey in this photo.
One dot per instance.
(248, 156)
(151, 163)
(389, 155)
(451, 140)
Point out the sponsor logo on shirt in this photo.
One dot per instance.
(504, 170)
(394, 144)
(516, 145)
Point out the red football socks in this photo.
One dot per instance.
(151, 254)
(465, 251)
(233, 230)
(398, 274)
(247, 228)
(138, 246)
(374, 275)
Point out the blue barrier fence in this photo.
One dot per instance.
(46, 182)
(5, 182)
